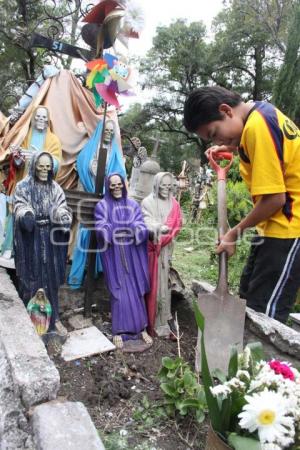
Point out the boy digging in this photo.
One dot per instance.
(268, 145)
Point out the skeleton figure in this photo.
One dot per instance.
(39, 138)
(163, 218)
(109, 132)
(122, 237)
(40, 119)
(41, 234)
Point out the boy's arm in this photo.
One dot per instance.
(266, 206)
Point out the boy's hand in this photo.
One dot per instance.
(227, 243)
(220, 148)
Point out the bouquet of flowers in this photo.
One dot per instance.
(257, 405)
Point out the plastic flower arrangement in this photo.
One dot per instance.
(257, 405)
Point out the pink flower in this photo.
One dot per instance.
(281, 369)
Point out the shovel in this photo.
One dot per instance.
(224, 313)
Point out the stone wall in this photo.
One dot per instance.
(29, 379)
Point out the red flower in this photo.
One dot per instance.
(281, 369)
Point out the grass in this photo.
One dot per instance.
(194, 255)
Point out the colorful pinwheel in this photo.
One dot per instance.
(108, 77)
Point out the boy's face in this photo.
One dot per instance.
(226, 131)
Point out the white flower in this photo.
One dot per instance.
(244, 358)
(267, 412)
(243, 375)
(235, 383)
(220, 391)
(270, 447)
(134, 17)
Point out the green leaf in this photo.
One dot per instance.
(220, 375)
(243, 443)
(257, 351)
(169, 363)
(145, 402)
(167, 389)
(188, 379)
(200, 416)
(190, 403)
(233, 362)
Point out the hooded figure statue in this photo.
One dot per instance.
(122, 240)
(163, 218)
(42, 221)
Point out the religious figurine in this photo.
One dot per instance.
(39, 310)
(87, 168)
(42, 221)
(163, 218)
(122, 240)
(39, 138)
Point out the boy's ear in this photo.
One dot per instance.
(225, 109)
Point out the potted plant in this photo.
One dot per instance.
(256, 406)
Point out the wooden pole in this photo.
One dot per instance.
(92, 252)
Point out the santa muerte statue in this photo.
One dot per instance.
(42, 221)
(122, 237)
(163, 218)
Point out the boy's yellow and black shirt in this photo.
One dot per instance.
(270, 163)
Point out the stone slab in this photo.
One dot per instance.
(14, 429)
(78, 322)
(33, 373)
(86, 342)
(295, 317)
(64, 426)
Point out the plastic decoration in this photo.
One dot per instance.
(108, 77)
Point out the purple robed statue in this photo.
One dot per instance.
(122, 240)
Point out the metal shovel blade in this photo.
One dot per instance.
(224, 314)
(224, 327)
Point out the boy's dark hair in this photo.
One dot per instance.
(202, 105)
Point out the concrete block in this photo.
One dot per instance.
(64, 426)
(14, 428)
(86, 342)
(33, 373)
(295, 318)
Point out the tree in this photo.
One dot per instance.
(287, 86)
(175, 65)
(18, 20)
(249, 45)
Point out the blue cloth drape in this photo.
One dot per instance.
(114, 164)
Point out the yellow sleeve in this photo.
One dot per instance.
(263, 145)
(53, 146)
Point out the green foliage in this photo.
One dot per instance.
(238, 203)
(287, 86)
(114, 441)
(148, 414)
(243, 443)
(183, 394)
(18, 20)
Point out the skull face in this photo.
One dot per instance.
(165, 187)
(115, 186)
(40, 121)
(43, 167)
(108, 131)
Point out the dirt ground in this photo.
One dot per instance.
(121, 392)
